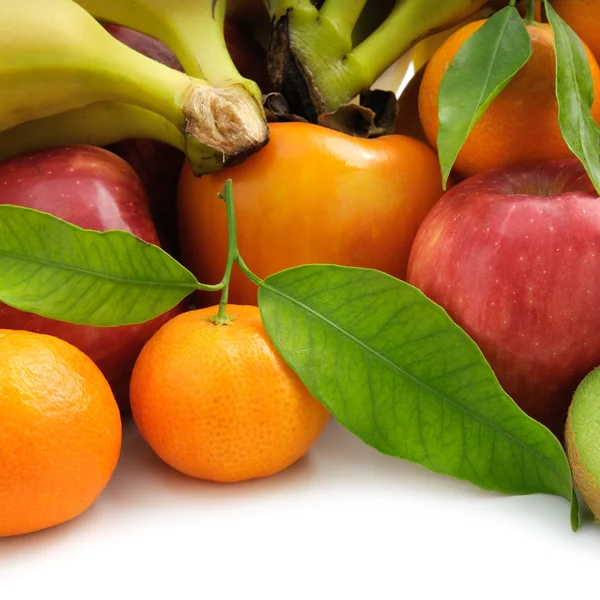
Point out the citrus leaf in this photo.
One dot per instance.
(575, 96)
(394, 369)
(481, 69)
(58, 270)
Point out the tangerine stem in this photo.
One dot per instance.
(233, 256)
(222, 318)
(530, 14)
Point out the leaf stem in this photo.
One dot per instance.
(530, 14)
(205, 287)
(254, 278)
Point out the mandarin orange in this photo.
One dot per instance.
(60, 432)
(217, 402)
(521, 124)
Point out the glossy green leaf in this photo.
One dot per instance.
(575, 96)
(55, 269)
(481, 69)
(395, 370)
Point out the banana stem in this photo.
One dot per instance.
(278, 8)
(199, 44)
(342, 14)
(194, 31)
(155, 87)
(313, 65)
(227, 120)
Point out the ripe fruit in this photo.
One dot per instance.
(513, 256)
(582, 440)
(94, 189)
(312, 195)
(217, 402)
(584, 17)
(521, 124)
(60, 432)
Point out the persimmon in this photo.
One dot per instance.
(312, 195)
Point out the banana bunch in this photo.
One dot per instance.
(67, 80)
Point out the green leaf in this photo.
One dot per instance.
(574, 511)
(57, 270)
(396, 371)
(575, 96)
(481, 69)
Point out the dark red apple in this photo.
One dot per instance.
(514, 258)
(94, 189)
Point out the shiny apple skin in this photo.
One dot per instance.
(94, 189)
(514, 258)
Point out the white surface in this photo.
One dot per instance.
(344, 522)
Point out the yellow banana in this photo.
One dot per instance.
(55, 57)
(102, 124)
(193, 29)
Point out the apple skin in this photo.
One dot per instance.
(94, 189)
(513, 256)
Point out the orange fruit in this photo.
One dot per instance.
(312, 195)
(521, 6)
(217, 402)
(521, 124)
(584, 18)
(60, 432)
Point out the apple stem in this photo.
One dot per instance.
(233, 256)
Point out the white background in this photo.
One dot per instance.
(344, 522)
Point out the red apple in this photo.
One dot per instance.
(94, 189)
(514, 256)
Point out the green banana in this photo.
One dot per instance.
(55, 57)
(193, 29)
(312, 58)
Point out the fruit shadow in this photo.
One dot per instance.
(142, 479)
(338, 461)
(40, 543)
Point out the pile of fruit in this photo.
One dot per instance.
(230, 222)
